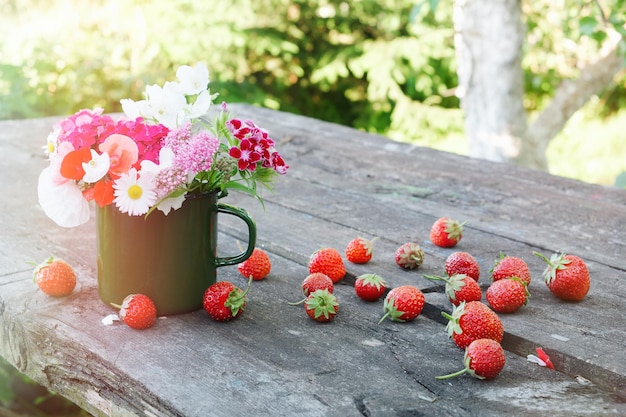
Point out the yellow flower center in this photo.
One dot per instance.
(135, 191)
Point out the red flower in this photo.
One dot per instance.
(246, 155)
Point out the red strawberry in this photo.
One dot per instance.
(462, 263)
(55, 277)
(138, 311)
(471, 321)
(257, 266)
(328, 261)
(409, 256)
(321, 305)
(370, 287)
(317, 281)
(459, 288)
(566, 276)
(313, 282)
(483, 359)
(224, 301)
(446, 232)
(403, 303)
(359, 250)
(510, 266)
(507, 295)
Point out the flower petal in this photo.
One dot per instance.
(63, 203)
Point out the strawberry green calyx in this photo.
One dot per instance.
(454, 229)
(453, 284)
(391, 311)
(556, 262)
(323, 303)
(410, 256)
(373, 279)
(453, 326)
(237, 298)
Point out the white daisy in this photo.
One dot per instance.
(134, 194)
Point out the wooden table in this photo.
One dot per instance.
(274, 360)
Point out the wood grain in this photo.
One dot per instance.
(274, 360)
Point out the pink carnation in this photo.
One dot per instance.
(148, 137)
(85, 128)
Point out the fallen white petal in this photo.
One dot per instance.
(535, 359)
(108, 320)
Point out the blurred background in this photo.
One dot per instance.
(385, 66)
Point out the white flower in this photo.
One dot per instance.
(193, 80)
(134, 194)
(52, 143)
(134, 109)
(166, 160)
(97, 167)
(166, 105)
(171, 203)
(201, 106)
(63, 202)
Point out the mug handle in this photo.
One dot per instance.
(242, 214)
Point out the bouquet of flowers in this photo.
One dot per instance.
(166, 147)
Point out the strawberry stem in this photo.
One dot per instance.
(542, 256)
(453, 375)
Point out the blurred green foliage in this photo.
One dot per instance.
(385, 66)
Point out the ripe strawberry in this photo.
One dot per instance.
(566, 276)
(55, 277)
(257, 266)
(138, 311)
(224, 301)
(328, 261)
(510, 266)
(370, 287)
(359, 250)
(313, 282)
(471, 321)
(483, 359)
(507, 295)
(409, 256)
(446, 232)
(321, 305)
(462, 263)
(403, 303)
(459, 288)
(317, 281)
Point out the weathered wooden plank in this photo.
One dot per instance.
(274, 360)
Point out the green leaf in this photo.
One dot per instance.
(587, 25)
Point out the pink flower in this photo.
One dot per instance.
(85, 128)
(193, 153)
(122, 151)
(148, 137)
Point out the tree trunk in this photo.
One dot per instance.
(488, 41)
(571, 95)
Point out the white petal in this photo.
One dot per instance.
(193, 80)
(169, 204)
(201, 105)
(108, 320)
(63, 203)
(535, 359)
(97, 167)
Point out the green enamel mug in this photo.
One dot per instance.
(170, 258)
